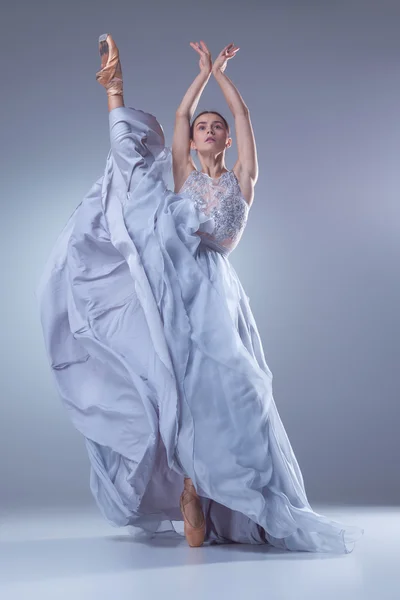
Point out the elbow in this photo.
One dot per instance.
(182, 113)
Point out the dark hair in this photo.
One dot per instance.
(207, 112)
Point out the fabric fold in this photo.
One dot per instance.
(157, 357)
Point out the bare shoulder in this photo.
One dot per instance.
(181, 173)
(246, 183)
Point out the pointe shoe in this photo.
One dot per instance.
(194, 521)
(110, 74)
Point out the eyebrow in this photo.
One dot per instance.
(205, 122)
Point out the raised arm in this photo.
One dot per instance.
(181, 159)
(247, 164)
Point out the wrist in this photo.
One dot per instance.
(206, 73)
(217, 73)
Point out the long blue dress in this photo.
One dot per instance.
(157, 357)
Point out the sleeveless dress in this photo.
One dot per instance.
(157, 358)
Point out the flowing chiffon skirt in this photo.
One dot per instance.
(157, 358)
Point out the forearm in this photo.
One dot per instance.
(234, 100)
(115, 101)
(191, 99)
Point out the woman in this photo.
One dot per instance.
(152, 342)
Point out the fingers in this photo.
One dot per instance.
(196, 47)
(201, 49)
(230, 48)
(228, 52)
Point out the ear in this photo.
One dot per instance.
(228, 143)
(192, 145)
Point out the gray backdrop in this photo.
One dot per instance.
(319, 258)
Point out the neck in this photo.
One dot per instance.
(214, 173)
(212, 166)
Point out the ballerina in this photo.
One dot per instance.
(152, 341)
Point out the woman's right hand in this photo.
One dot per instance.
(205, 62)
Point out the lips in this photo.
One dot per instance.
(210, 139)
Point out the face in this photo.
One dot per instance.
(210, 135)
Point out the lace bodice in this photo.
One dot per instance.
(222, 200)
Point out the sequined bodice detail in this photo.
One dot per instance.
(223, 202)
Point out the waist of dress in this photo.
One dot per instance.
(212, 244)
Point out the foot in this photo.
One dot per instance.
(194, 521)
(110, 74)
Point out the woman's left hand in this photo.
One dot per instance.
(222, 59)
(205, 62)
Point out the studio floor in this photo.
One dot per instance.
(74, 554)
